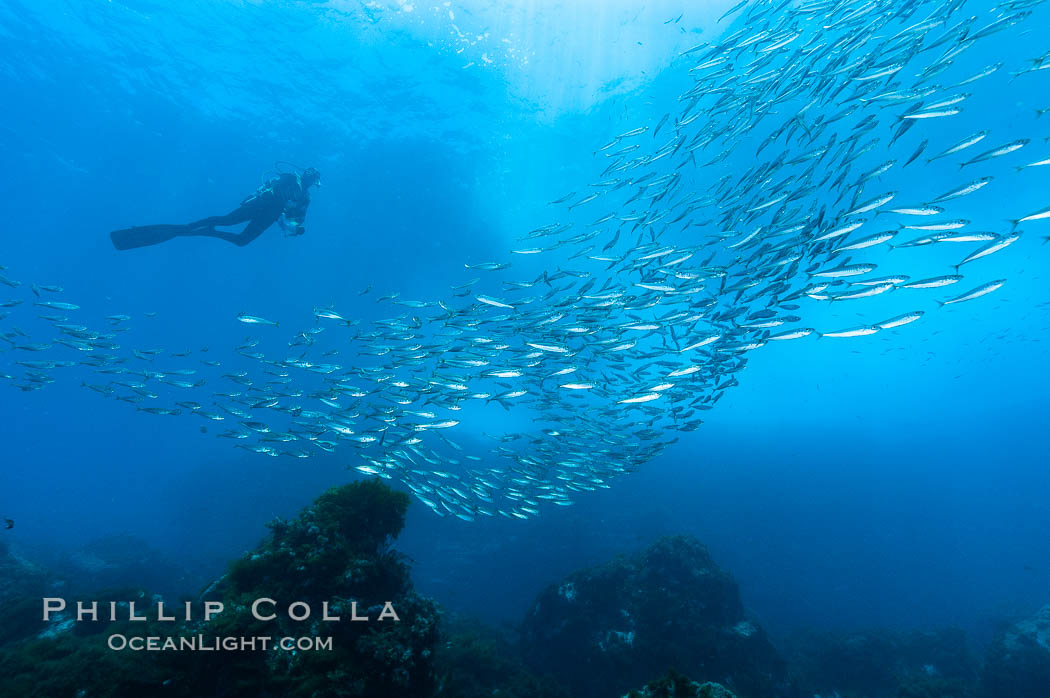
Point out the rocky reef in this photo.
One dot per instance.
(675, 685)
(336, 552)
(105, 563)
(604, 630)
(476, 661)
(883, 664)
(1018, 661)
(22, 584)
(335, 555)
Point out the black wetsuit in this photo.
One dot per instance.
(283, 200)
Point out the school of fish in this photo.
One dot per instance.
(765, 192)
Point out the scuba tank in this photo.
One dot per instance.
(264, 189)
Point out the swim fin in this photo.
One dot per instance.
(146, 235)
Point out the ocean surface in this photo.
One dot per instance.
(898, 479)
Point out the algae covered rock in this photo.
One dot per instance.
(605, 630)
(22, 584)
(337, 545)
(19, 577)
(107, 562)
(73, 661)
(474, 661)
(335, 557)
(674, 685)
(1018, 662)
(884, 664)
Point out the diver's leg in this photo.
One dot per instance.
(250, 232)
(262, 212)
(211, 233)
(253, 230)
(240, 215)
(253, 208)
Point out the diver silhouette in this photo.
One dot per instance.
(282, 199)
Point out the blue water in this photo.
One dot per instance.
(898, 480)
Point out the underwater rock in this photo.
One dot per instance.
(71, 659)
(22, 584)
(474, 661)
(334, 557)
(110, 562)
(336, 552)
(884, 664)
(674, 685)
(1018, 663)
(605, 630)
(19, 577)
(340, 544)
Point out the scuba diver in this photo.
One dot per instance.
(282, 199)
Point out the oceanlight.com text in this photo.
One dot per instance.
(203, 643)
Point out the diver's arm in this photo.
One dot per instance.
(291, 228)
